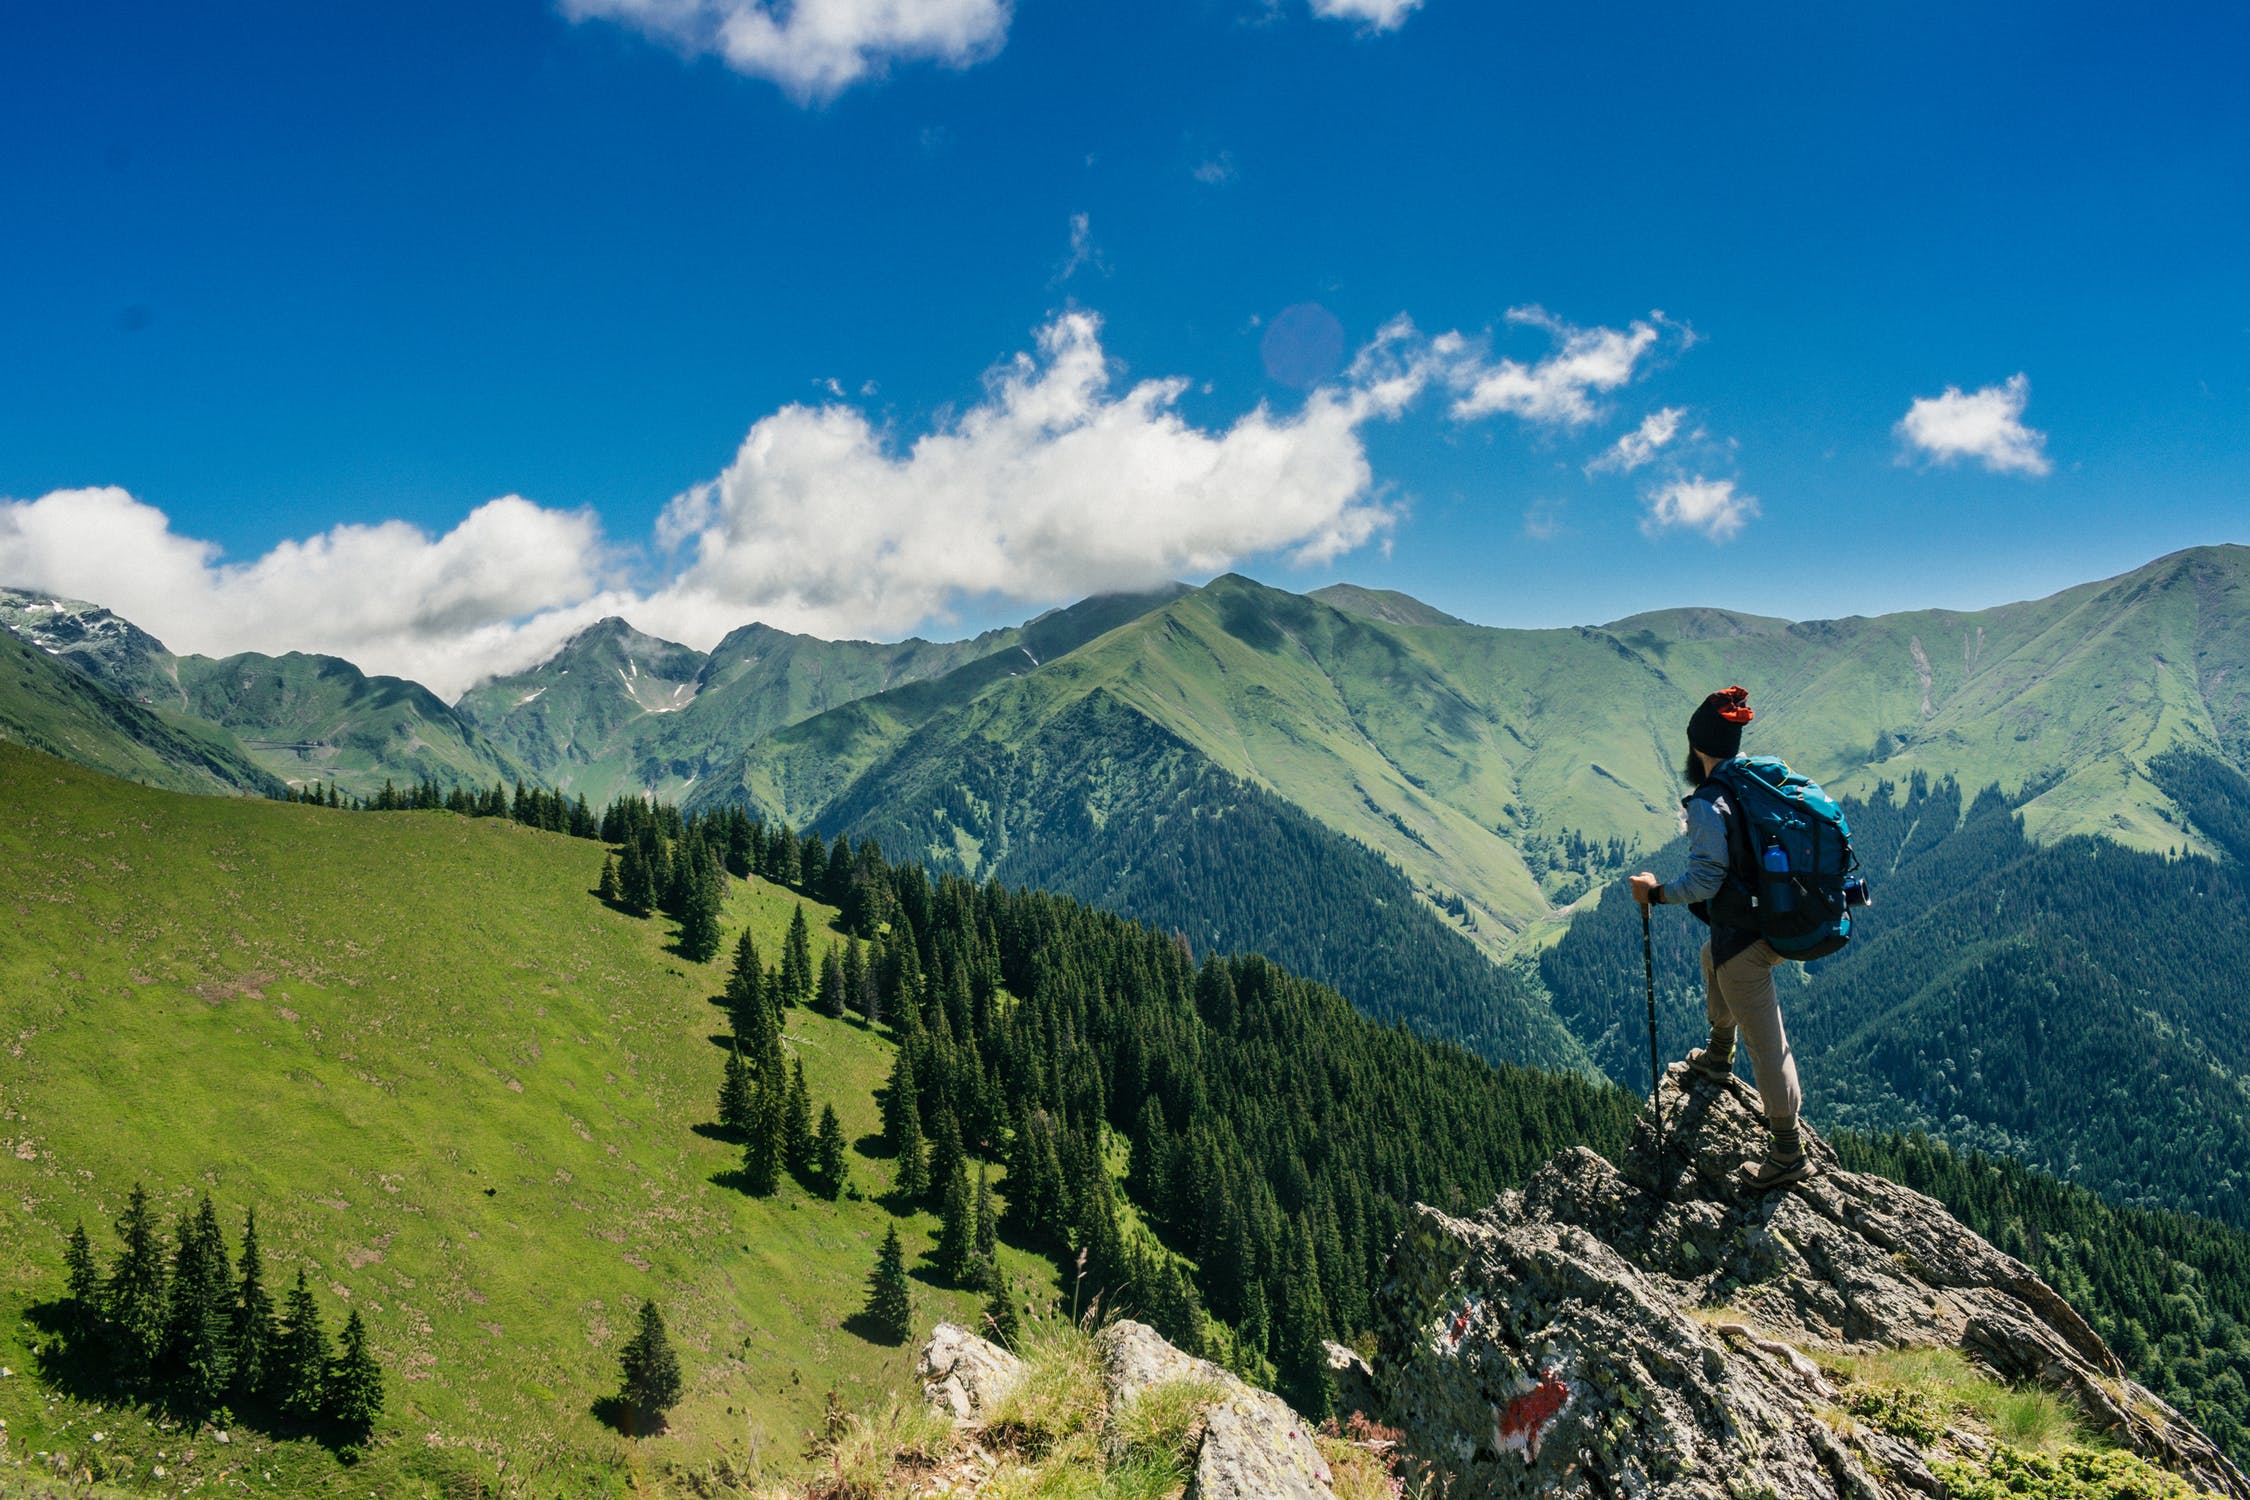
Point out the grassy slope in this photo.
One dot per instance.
(51, 707)
(359, 1023)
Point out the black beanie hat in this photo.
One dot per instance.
(1716, 726)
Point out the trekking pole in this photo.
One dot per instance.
(1655, 1079)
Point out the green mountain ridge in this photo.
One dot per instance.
(48, 706)
(1458, 751)
(302, 718)
(616, 710)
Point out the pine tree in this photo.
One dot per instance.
(796, 962)
(736, 1099)
(828, 1148)
(957, 1227)
(255, 1334)
(912, 1179)
(199, 1317)
(651, 1372)
(300, 1383)
(858, 985)
(797, 1122)
(831, 992)
(988, 1227)
(636, 885)
(85, 1288)
(890, 1308)
(353, 1392)
(1299, 1357)
(948, 1159)
(134, 1298)
(763, 1153)
(607, 888)
(746, 986)
(699, 911)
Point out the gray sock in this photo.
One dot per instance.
(1788, 1143)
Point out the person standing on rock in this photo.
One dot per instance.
(1738, 964)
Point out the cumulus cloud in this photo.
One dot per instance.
(444, 610)
(1711, 506)
(1059, 480)
(1375, 15)
(1640, 446)
(1056, 483)
(1558, 390)
(1985, 424)
(814, 49)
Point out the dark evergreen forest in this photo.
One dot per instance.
(1184, 846)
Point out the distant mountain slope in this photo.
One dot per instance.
(1103, 804)
(616, 710)
(1510, 767)
(47, 706)
(302, 718)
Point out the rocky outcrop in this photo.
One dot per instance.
(963, 1374)
(1646, 1331)
(1248, 1444)
(1254, 1447)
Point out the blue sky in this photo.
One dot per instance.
(273, 270)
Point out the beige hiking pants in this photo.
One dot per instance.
(1738, 995)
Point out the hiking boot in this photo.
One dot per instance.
(1711, 1063)
(1785, 1162)
(1776, 1171)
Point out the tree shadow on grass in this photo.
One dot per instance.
(875, 1147)
(861, 1325)
(623, 1418)
(926, 1271)
(711, 1131)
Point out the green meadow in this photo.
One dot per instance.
(464, 1098)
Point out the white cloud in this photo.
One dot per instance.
(1375, 15)
(1710, 506)
(1058, 482)
(815, 49)
(1639, 446)
(1083, 251)
(1986, 425)
(444, 610)
(1558, 390)
(1216, 171)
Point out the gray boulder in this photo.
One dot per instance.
(1545, 1346)
(964, 1374)
(1253, 1446)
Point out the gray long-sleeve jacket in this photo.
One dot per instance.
(1707, 851)
(1709, 813)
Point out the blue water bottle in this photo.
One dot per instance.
(1781, 892)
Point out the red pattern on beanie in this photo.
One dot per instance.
(1732, 704)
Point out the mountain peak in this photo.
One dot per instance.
(1383, 604)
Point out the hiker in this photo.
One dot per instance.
(1738, 964)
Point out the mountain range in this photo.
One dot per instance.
(1384, 797)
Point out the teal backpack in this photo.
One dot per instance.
(1794, 880)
